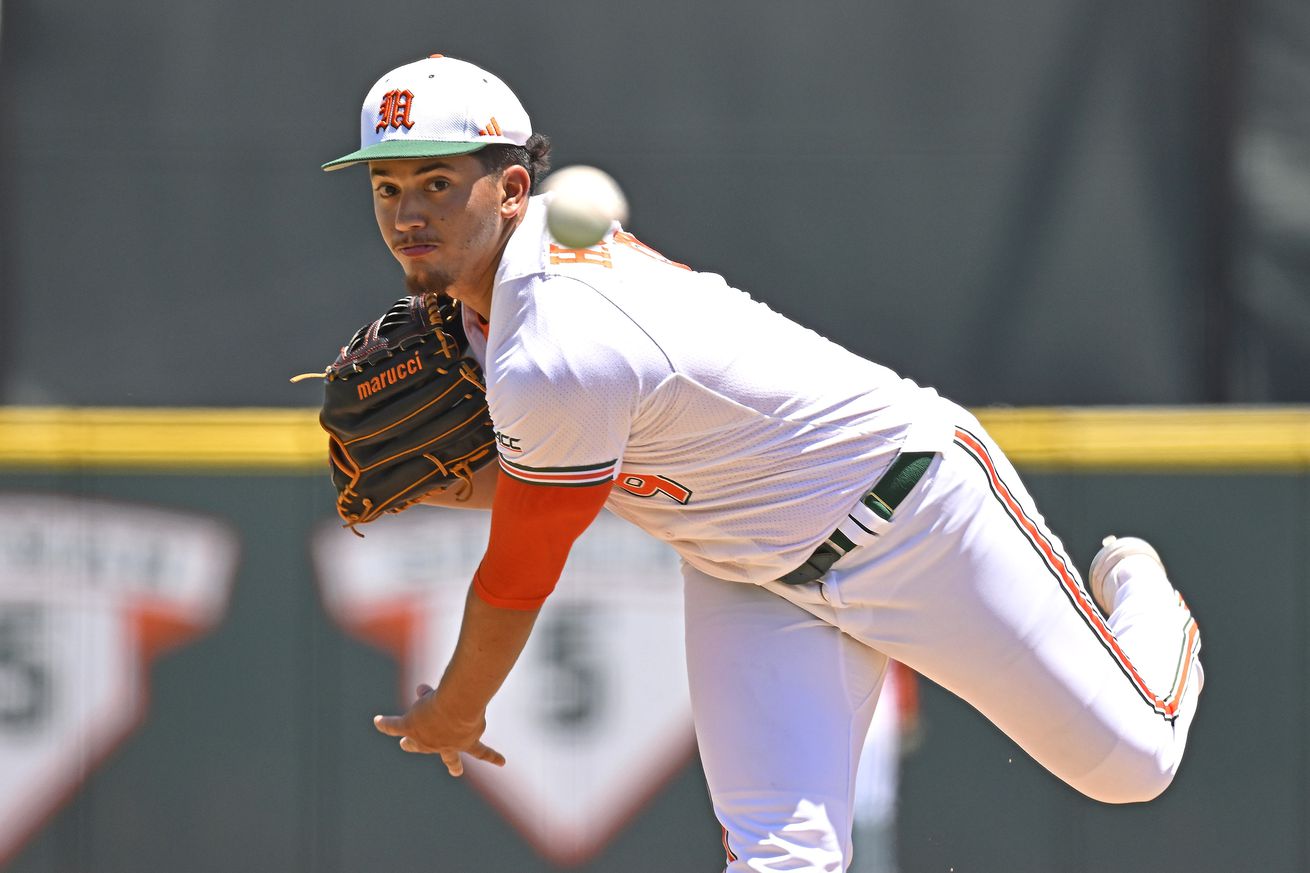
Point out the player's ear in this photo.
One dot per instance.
(515, 189)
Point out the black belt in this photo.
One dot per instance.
(883, 498)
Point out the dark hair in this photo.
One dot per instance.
(534, 157)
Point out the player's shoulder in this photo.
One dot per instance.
(554, 328)
(553, 324)
(618, 257)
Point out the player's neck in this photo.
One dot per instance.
(477, 296)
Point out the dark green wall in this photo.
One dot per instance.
(257, 754)
(1014, 203)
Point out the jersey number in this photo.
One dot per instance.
(648, 486)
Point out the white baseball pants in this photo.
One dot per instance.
(969, 588)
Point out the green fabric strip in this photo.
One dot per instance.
(843, 542)
(399, 149)
(904, 473)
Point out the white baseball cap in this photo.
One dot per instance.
(436, 107)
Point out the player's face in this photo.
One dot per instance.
(443, 220)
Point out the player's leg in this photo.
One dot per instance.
(1148, 677)
(782, 702)
(969, 588)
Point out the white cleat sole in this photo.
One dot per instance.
(1113, 550)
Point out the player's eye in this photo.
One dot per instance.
(438, 184)
(384, 189)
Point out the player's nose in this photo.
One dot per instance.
(410, 213)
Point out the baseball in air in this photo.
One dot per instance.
(586, 201)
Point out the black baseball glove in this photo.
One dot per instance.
(405, 408)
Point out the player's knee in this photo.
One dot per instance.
(785, 833)
(1138, 788)
(1130, 776)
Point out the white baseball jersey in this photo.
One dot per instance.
(613, 363)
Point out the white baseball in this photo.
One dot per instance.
(586, 201)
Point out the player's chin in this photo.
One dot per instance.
(427, 280)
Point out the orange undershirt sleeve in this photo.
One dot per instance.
(532, 530)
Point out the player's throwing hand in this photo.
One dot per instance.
(427, 730)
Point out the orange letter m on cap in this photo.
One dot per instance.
(394, 111)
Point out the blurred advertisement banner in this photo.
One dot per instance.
(90, 592)
(596, 715)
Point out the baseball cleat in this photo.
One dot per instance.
(1113, 550)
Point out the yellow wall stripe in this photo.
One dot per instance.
(1154, 438)
(177, 440)
(1212, 439)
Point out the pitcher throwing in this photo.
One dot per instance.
(830, 514)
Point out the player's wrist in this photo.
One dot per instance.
(461, 711)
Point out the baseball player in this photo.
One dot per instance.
(830, 514)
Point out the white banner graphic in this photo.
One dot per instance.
(89, 592)
(596, 715)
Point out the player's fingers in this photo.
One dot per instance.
(391, 725)
(454, 764)
(488, 754)
(422, 690)
(409, 744)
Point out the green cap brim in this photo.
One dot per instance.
(402, 149)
